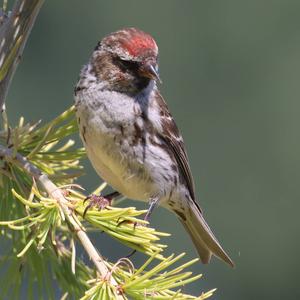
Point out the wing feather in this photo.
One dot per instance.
(174, 141)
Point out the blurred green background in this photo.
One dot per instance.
(231, 77)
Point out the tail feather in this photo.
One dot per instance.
(202, 236)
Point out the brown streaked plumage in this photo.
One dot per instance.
(130, 136)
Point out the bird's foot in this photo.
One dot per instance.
(99, 202)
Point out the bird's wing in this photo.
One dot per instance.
(174, 141)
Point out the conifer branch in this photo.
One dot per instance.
(55, 193)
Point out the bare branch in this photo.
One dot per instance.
(55, 193)
(14, 32)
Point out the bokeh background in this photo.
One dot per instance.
(231, 77)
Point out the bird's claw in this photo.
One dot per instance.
(96, 201)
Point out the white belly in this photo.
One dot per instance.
(126, 177)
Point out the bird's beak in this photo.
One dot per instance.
(150, 71)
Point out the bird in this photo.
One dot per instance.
(130, 136)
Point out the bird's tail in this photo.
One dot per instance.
(203, 238)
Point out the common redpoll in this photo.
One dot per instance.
(130, 136)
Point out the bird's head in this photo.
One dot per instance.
(127, 58)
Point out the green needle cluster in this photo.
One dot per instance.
(38, 236)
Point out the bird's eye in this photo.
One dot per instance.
(126, 65)
(129, 64)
